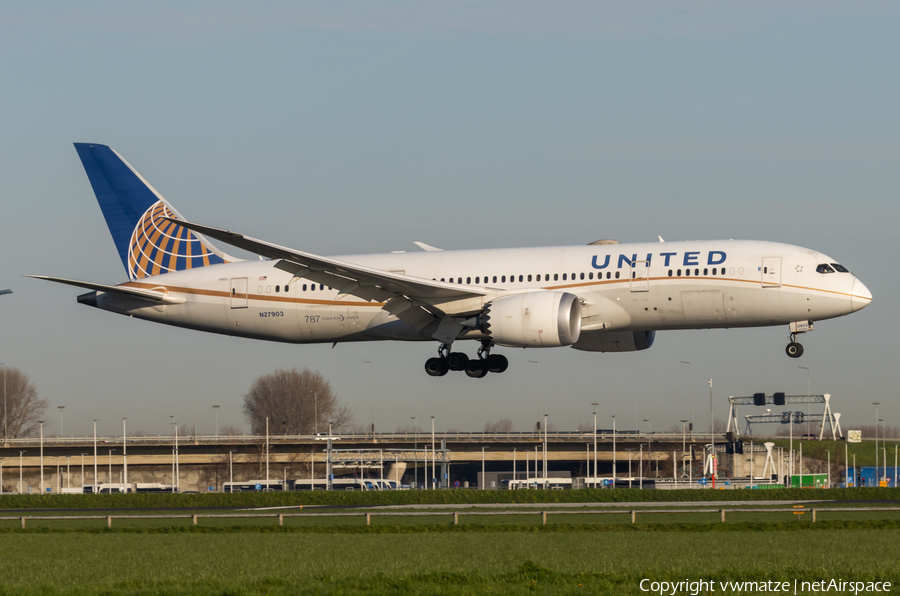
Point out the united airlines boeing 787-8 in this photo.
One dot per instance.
(602, 297)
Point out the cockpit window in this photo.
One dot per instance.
(840, 268)
(824, 268)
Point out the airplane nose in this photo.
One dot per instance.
(861, 296)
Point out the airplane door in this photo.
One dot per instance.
(239, 292)
(640, 276)
(771, 272)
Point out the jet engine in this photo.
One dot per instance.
(541, 319)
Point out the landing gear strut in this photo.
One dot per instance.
(475, 368)
(794, 349)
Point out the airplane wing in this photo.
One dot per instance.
(416, 301)
(152, 295)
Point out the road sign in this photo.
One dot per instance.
(212, 488)
(258, 486)
(332, 476)
(702, 481)
(456, 483)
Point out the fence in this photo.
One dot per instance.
(633, 513)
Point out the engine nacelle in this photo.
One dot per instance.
(541, 319)
(615, 341)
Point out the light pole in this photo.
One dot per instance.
(20, 472)
(539, 391)
(545, 448)
(267, 454)
(483, 479)
(5, 429)
(124, 456)
(876, 404)
(60, 408)
(806, 368)
(82, 471)
(614, 450)
(690, 395)
(416, 451)
(175, 458)
(216, 410)
(883, 453)
(433, 477)
(712, 436)
(316, 411)
(649, 447)
(372, 393)
(230, 471)
(514, 468)
(109, 474)
(595, 404)
(683, 445)
(96, 481)
(42, 455)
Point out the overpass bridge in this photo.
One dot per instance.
(202, 461)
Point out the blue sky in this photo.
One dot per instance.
(346, 127)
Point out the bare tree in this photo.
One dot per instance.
(23, 406)
(504, 425)
(293, 401)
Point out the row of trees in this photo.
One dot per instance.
(294, 401)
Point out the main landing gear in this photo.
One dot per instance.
(475, 368)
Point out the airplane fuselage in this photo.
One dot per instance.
(621, 287)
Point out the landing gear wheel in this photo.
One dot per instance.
(457, 361)
(794, 350)
(476, 369)
(497, 363)
(436, 367)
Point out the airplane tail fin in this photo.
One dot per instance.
(147, 243)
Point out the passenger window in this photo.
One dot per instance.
(277, 289)
(312, 287)
(591, 275)
(556, 277)
(304, 287)
(459, 280)
(608, 274)
(478, 280)
(322, 287)
(442, 279)
(696, 271)
(670, 273)
(679, 273)
(706, 272)
(617, 275)
(468, 281)
(538, 278)
(687, 272)
(529, 278)
(495, 279)
(582, 276)
(521, 278)
(564, 277)
(503, 279)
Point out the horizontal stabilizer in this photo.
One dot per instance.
(152, 295)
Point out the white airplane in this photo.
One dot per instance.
(602, 297)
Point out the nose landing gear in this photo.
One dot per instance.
(476, 368)
(794, 349)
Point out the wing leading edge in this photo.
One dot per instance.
(414, 300)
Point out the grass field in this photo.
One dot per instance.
(394, 562)
(575, 553)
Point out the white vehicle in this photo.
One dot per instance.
(602, 297)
